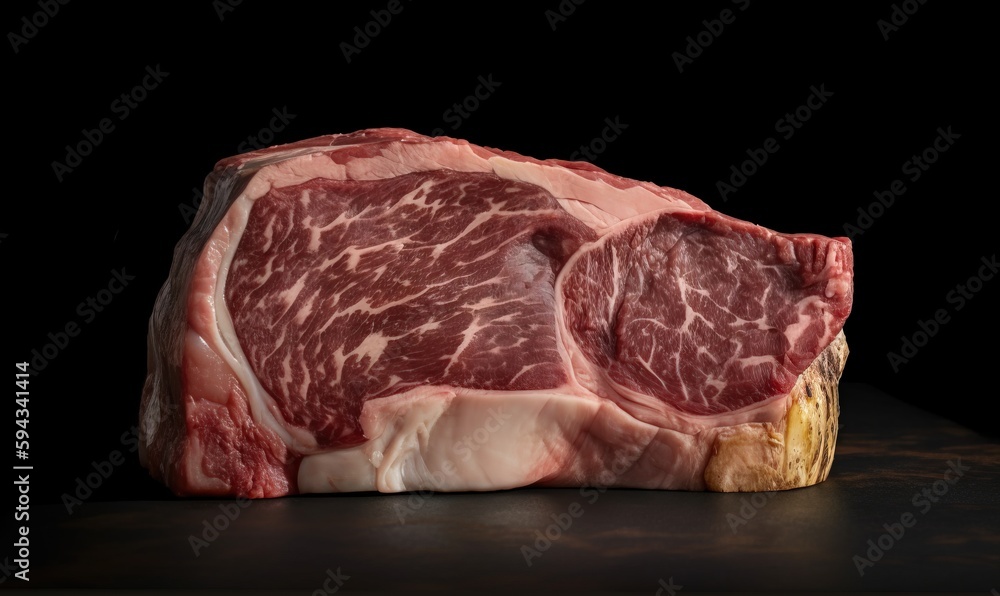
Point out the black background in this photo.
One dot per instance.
(121, 208)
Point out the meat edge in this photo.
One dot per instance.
(795, 452)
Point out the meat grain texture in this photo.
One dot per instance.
(385, 311)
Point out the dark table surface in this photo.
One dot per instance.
(811, 539)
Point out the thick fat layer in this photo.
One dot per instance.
(443, 439)
(597, 198)
(216, 381)
(440, 438)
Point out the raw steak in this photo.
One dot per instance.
(385, 311)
